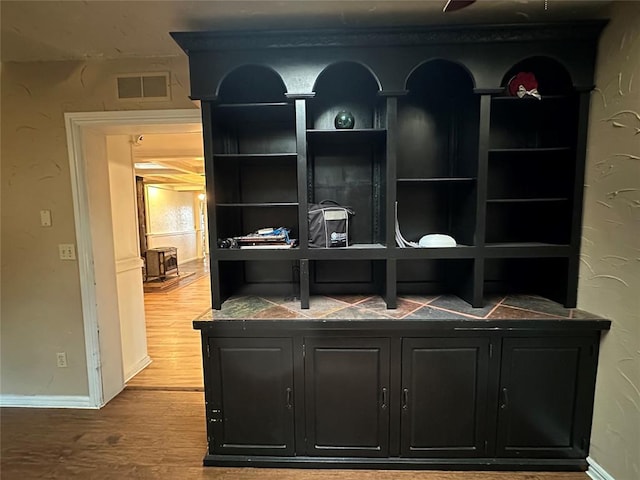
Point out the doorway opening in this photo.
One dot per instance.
(101, 153)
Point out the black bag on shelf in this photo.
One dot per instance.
(328, 224)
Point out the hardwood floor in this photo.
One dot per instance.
(153, 432)
(172, 343)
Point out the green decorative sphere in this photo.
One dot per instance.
(344, 120)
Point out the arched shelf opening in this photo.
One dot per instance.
(252, 176)
(437, 152)
(348, 165)
(443, 74)
(545, 121)
(252, 84)
(532, 159)
(346, 86)
(552, 77)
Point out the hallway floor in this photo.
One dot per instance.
(172, 343)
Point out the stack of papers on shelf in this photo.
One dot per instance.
(267, 238)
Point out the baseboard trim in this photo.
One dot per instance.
(46, 401)
(137, 368)
(596, 472)
(192, 259)
(397, 463)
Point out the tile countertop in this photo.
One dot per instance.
(410, 307)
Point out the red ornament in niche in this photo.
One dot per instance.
(524, 84)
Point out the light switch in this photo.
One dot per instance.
(67, 251)
(45, 218)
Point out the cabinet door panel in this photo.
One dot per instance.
(346, 388)
(444, 384)
(252, 411)
(542, 408)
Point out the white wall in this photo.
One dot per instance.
(610, 267)
(127, 255)
(99, 194)
(172, 221)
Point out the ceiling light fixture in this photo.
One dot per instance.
(149, 166)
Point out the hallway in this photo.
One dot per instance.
(173, 345)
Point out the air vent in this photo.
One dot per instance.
(143, 87)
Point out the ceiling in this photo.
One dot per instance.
(174, 159)
(67, 29)
(94, 29)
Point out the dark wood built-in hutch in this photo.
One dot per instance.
(439, 140)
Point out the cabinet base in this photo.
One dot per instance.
(504, 464)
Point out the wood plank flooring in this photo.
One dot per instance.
(150, 435)
(172, 343)
(155, 429)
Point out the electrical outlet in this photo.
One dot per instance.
(61, 359)
(67, 251)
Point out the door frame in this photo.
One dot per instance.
(76, 125)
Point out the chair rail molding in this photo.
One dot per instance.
(127, 264)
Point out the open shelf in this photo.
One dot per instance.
(437, 180)
(526, 200)
(437, 123)
(528, 176)
(544, 222)
(253, 115)
(437, 153)
(526, 250)
(234, 220)
(359, 133)
(258, 254)
(259, 205)
(459, 251)
(530, 125)
(253, 134)
(255, 105)
(342, 276)
(434, 276)
(247, 112)
(259, 277)
(446, 208)
(546, 276)
(349, 165)
(342, 137)
(545, 98)
(353, 176)
(497, 173)
(536, 150)
(346, 86)
(355, 251)
(254, 181)
(254, 156)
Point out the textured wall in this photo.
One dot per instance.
(41, 305)
(610, 267)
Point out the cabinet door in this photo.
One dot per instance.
(347, 395)
(252, 392)
(546, 398)
(444, 397)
